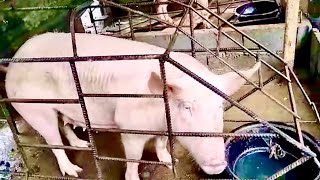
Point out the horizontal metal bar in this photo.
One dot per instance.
(55, 147)
(242, 33)
(132, 160)
(125, 95)
(280, 121)
(228, 36)
(83, 58)
(37, 8)
(41, 176)
(235, 49)
(49, 101)
(197, 134)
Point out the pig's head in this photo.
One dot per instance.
(195, 108)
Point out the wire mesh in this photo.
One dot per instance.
(164, 58)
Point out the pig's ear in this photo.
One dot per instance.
(156, 85)
(232, 82)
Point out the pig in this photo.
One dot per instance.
(194, 108)
(162, 13)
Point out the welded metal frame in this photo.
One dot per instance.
(164, 58)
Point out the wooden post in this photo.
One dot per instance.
(290, 32)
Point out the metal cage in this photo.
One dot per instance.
(285, 74)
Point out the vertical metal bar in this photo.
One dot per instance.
(219, 29)
(313, 106)
(259, 72)
(92, 20)
(81, 97)
(175, 35)
(131, 26)
(193, 51)
(294, 107)
(167, 110)
(15, 135)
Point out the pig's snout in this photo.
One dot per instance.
(214, 166)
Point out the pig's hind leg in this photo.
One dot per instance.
(71, 136)
(45, 120)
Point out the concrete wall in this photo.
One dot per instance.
(270, 35)
(315, 54)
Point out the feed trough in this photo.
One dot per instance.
(260, 158)
(257, 13)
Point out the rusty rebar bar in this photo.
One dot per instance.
(288, 168)
(49, 101)
(132, 160)
(193, 51)
(294, 107)
(186, 134)
(81, 98)
(167, 111)
(125, 95)
(175, 34)
(244, 34)
(232, 39)
(82, 58)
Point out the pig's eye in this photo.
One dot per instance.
(188, 107)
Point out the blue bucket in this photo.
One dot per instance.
(248, 158)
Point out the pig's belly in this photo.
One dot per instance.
(101, 117)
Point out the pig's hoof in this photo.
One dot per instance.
(79, 143)
(132, 176)
(71, 170)
(165, 157)
(165, 17)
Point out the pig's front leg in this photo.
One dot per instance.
(162, 12)
(72, 137)
(133, 147)
(162, 151)
(204, 13)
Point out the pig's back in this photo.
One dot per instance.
(117, 76)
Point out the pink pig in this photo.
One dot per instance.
(194, 108)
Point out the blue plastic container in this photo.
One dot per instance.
(248, 158)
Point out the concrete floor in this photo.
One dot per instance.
(42, 161)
